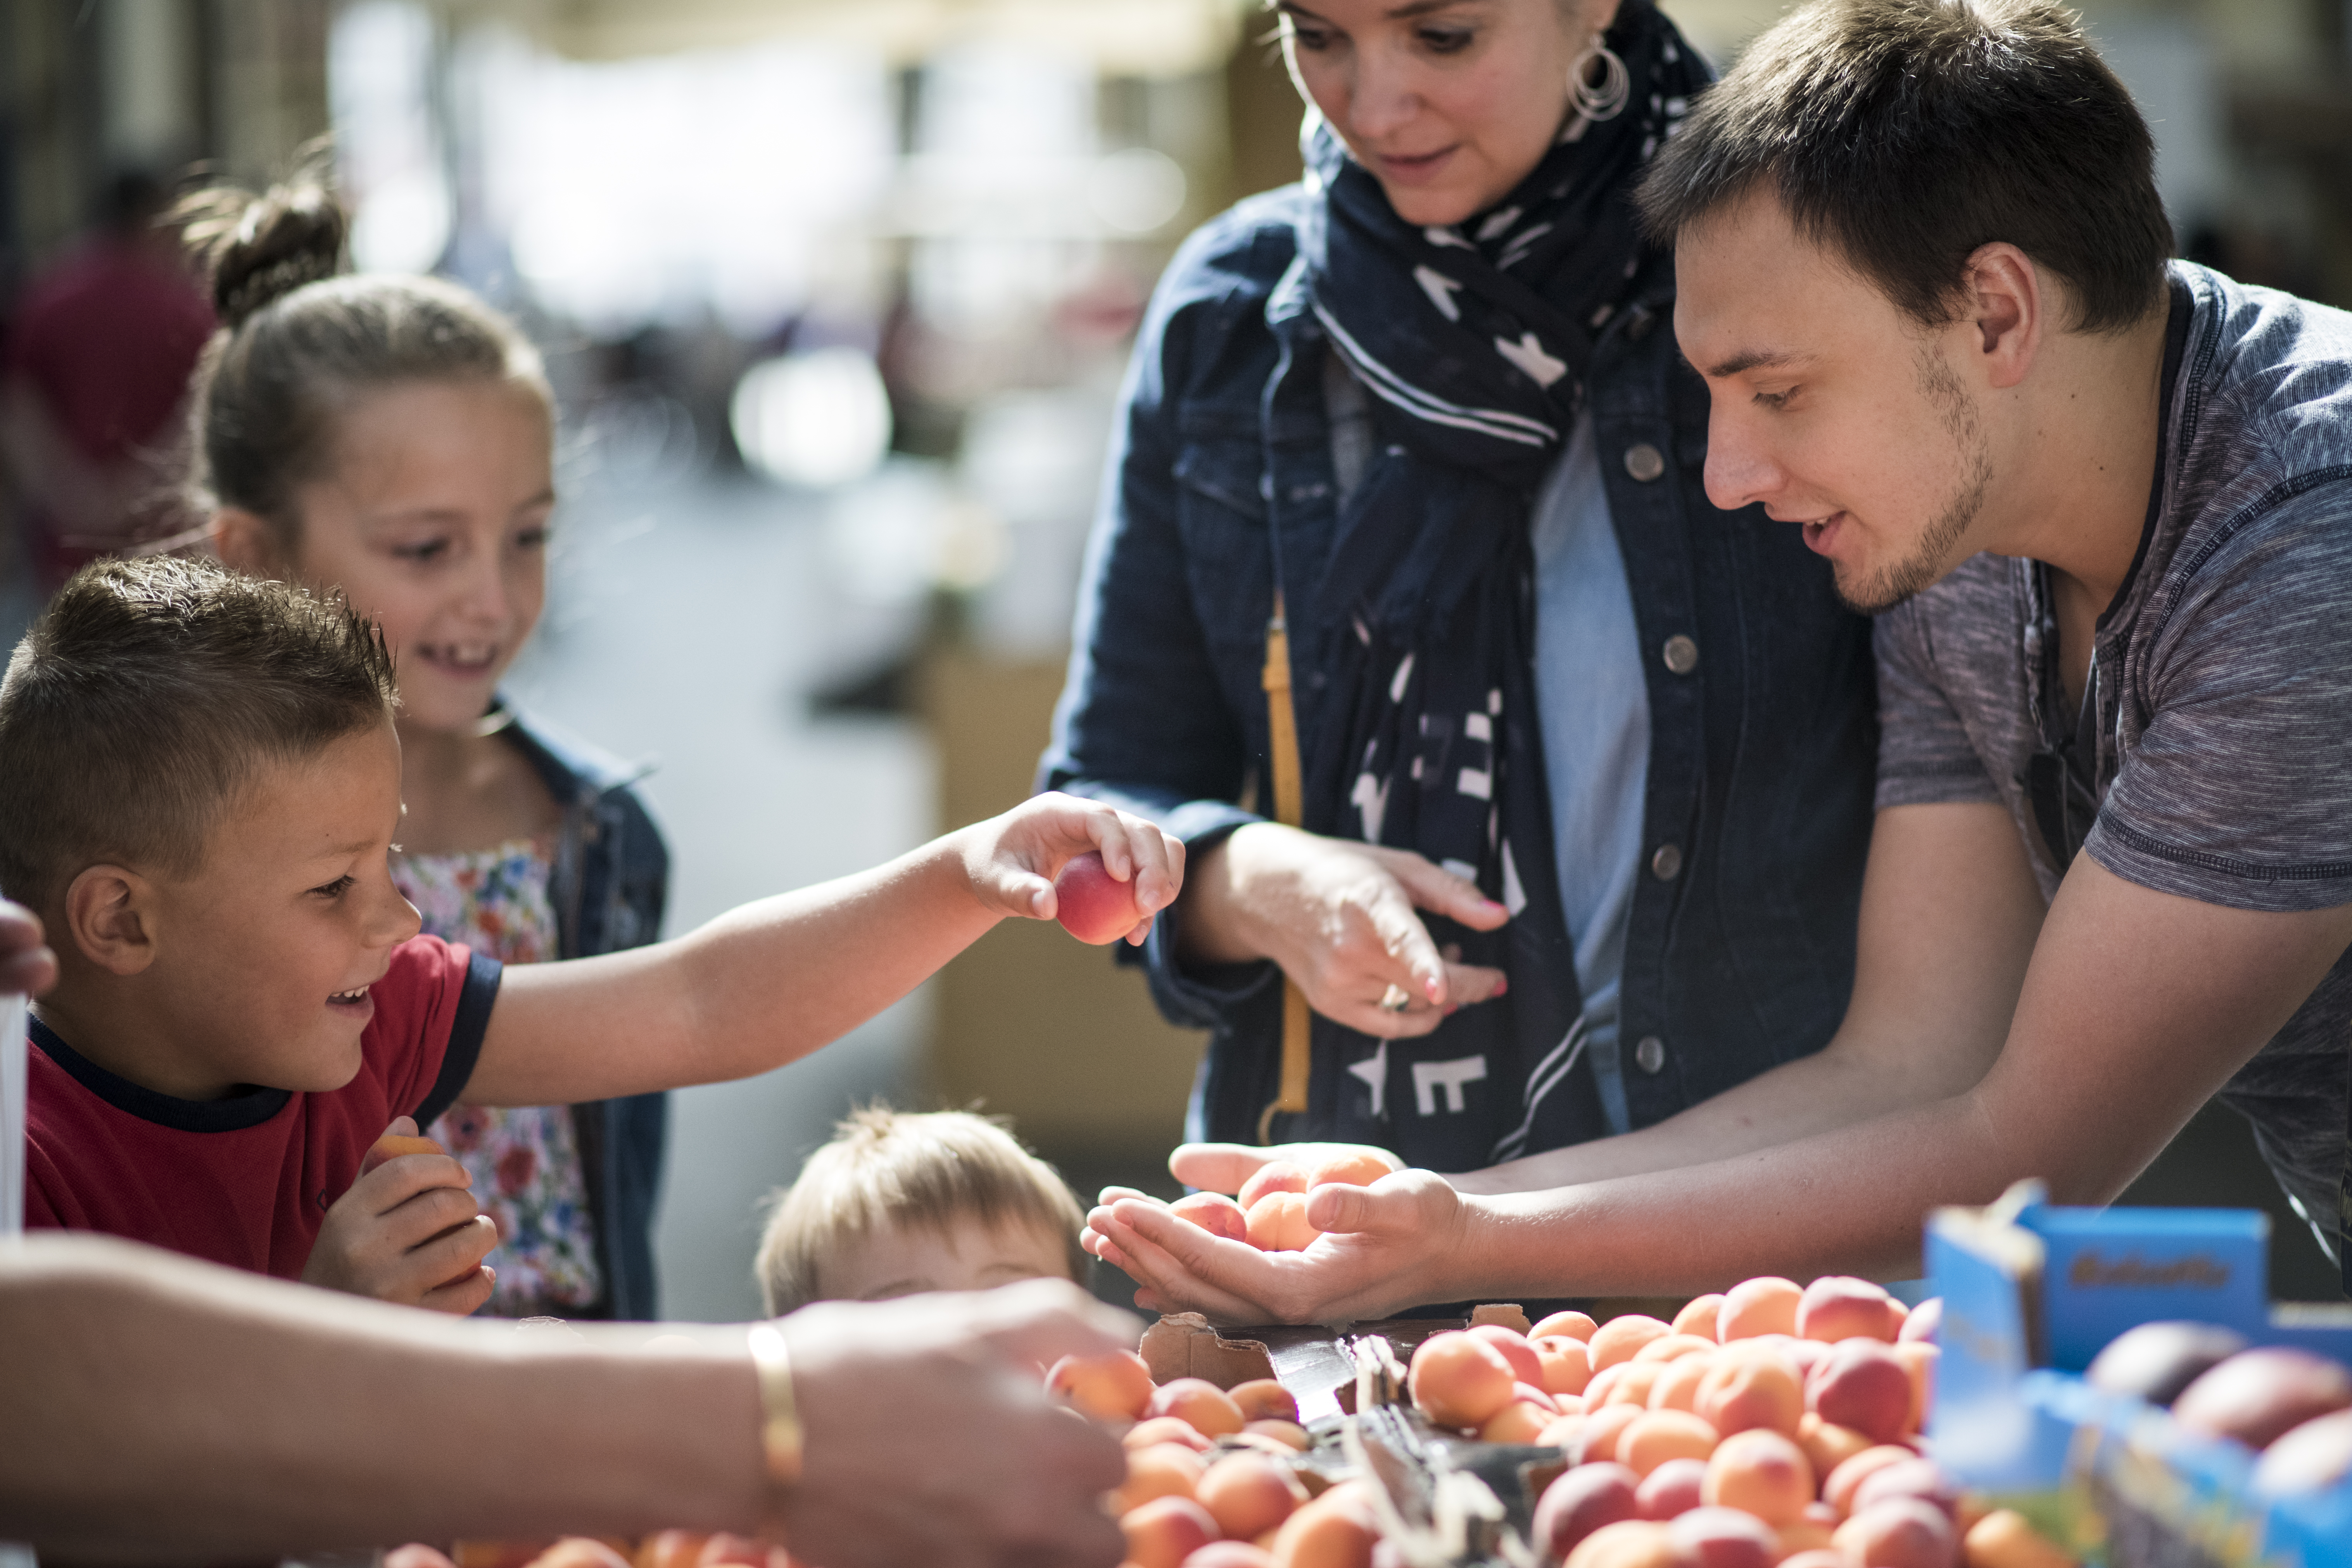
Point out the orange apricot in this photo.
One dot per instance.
(1663, 1435)
(2003, 1539)
(1919, 1358)
(1604, 1427)
(1264, 1399)
(1565, 1365)
(1764, 1305)
(1274, 1176)
(1278, 1223)
(1674, 1347)
(1113, 1387)
(1248, 1494)
(1860, 1383)
(1164, 1429)
(1289, 1434)
(1838, 1488)
(1459, 1380)
(1515, 1349)
(1348, 1171)
(1762, 1471)
(1698, 1317)
(1164, 1531)
(1564, 1432)
(1840, 1307)
(1621, 1339)
(497, 1553)
(1565, 1325)
(667, 1549)
(392, 1146)
(1164, 1470)
(1803, 1535)
(1336, 1530)
(1517, 1422)
(579, 1551)
(1206, 1408)
(1676, 1388)
(1746, 1389)
(1628, 1543)
(1633, 1383)
(1827, 1444)
(1214, 1213)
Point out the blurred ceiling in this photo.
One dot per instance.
(1118, 37)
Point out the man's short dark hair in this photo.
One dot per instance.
(1904, 134)
(145, 699)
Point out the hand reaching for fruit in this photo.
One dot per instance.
(1103, 872)
(408, 1231)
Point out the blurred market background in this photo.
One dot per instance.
(837, 295)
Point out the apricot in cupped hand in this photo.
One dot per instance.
(394, 1146)
(1214, 1213)
(1350, 1170)
(1278, 1223)
(1274, 1176)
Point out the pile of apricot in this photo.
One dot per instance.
(1211, 1477)
(1270, 1212)
(1774, 1424)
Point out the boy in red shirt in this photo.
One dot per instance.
(199, 791)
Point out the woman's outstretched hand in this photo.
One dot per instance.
(1339, 917)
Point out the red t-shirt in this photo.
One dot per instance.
(247, 1180)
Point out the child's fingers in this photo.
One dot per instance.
(431, 1214)
(396, 1181)
(460, 1298)
(450, 1256)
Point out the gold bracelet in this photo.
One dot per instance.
(779, 1419)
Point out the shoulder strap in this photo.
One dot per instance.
(1289, 809)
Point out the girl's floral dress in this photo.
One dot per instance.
(525, 1161)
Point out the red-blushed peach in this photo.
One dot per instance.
(1164, 1429)
(1164, 1531)
(2257, 1397)
(1672, 1489)
(1764, 1305)
(1698, 1317)
(2003, 1539)
(1565, 1365)
(1827, 1444)
(1093, 905)
(1526, 1367)
(1678, 1386)
(1629, 1543)
(1289, 1434)
(1278, 1223)
(1862, 1384)
(2315, 1455)
(1274, 1176)
(1565, 1325)
(1746, 1389)
(1459, 1380)
(1922, 1479)
(1632, 1383)
(1723, 1538)
(1923, 1322)
(1230, 1555)
(1354, 1170)
(1164, 1470)
(1517, 1422)
(1621, 1339)
(1337, 1530)
(1838, 1489)
(664, 1549)
(1900, 1533)
(2156, 1361)
(1762, 1471)
(1840, 1307)
(1112, 1387)
(1210, 1410)
(1604, 1427)
(1264, 1399)
(1214, 1213)
(1663, 1435)
(1248, 1494)
(1674, 1347)
(1919, 1358)
(1586, 1498)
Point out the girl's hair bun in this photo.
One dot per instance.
(259, 250)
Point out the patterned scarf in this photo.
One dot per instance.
(1474, 340)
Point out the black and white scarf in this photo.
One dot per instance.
(1474, 339)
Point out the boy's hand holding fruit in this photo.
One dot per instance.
(1102, 871)
(408, 1231)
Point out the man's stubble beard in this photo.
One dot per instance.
(1930, 557)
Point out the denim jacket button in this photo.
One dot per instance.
(1650, 1055)
(1681, 654)
(1644, 462)
(1667, 863)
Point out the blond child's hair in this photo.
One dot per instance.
(892, 1169)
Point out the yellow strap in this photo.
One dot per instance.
(1282, 736)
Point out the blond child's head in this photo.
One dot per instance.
(899, 1203)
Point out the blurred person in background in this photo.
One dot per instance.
(1568, 833)
(392, 438)
(93, 380)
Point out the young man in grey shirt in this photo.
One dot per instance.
(2102, 505)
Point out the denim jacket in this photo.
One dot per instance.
(1762, 703)
(610, 881)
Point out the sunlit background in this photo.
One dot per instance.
(837, 295)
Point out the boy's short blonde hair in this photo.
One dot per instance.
(890, 1169)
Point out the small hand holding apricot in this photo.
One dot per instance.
(408, 1231)
(1012, 860)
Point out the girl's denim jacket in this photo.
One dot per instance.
(1760, 685)
(610, 882)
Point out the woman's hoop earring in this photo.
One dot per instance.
(1603, 101)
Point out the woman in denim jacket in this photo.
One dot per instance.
(1573, 831)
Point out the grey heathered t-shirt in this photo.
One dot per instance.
(2224, 682)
